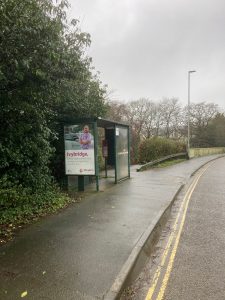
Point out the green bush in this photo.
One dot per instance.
(156, 147)
(19, 206)
(42, 87)
(46, 81)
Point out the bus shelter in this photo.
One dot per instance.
(85, 141)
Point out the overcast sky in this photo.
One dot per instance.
(145, 48)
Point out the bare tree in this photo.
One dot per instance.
(158, 120)
(164, 118)
(201, 113)
(200, 116)
(150, 120)
(137, 114)
(171, 110)
(117, 111)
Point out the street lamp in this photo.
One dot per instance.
(189, 75)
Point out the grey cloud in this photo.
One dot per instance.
(146, 47)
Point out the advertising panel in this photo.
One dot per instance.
(79, 149)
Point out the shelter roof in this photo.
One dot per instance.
(104, 123)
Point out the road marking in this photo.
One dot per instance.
(174, 234)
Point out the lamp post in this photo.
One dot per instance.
(189, 76)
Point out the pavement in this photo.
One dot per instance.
(79, 252)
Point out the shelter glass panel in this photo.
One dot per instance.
(122, 152)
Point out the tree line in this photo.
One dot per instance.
(169, 118)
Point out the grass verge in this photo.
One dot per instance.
(169, 163)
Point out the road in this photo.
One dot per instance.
(189, 261)
(78, 252)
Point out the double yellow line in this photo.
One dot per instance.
(174, 239)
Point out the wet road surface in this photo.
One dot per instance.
(189, 261)
(77, 253)
(199, 267)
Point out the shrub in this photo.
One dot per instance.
(156, 147)
(20, 206)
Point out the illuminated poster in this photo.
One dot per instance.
(79, 150)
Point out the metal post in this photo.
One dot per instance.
(189, 91)
(128, 130)
(115, 154)
(80, 183)
(188, 141)
(96, 156)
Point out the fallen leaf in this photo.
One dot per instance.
(24, 294)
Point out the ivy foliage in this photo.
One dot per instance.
(45, 80)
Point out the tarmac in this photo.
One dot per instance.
(79, 253)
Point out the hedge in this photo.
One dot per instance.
(157, 147)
